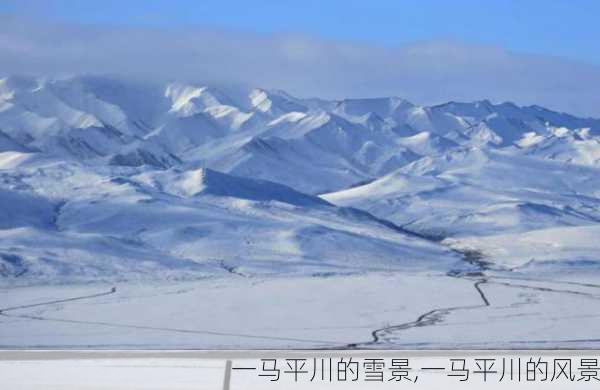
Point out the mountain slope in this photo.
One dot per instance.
(71, 222)
(477, 191)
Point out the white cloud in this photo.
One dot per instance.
(425, 72)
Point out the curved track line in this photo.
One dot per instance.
(430, 318)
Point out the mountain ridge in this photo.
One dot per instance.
(167, 125)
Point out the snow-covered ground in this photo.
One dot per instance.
(226, 313)
(374, 310)
(248, 218)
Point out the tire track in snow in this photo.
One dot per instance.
(80, 298)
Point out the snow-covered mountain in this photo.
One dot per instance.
(63, 220)
(311, 145)
(106, 178)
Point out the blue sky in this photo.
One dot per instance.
(429, 52)
(557, 27)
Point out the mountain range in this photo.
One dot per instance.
(105, 178)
